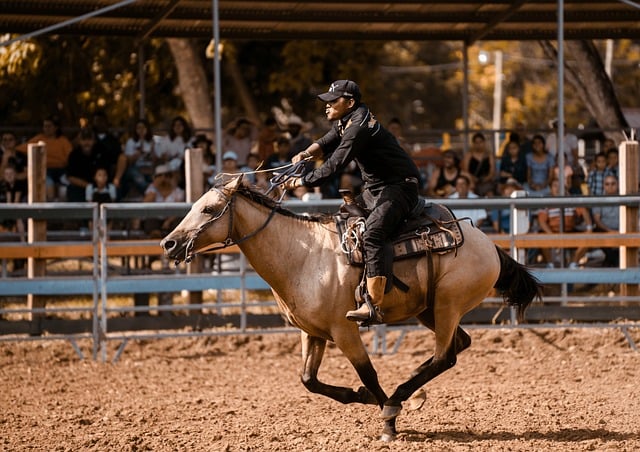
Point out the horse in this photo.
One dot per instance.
(300, 257)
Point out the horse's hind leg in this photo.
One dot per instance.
(312, 353)
(450, 340)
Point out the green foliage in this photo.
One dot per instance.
(421, 83)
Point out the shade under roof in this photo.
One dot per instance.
(357, 19)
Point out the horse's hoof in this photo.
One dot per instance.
(388, 437)
(416, 401)
(365, 396)
(391, 412)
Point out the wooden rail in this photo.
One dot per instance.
(69, 250)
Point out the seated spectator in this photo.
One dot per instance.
(299, 140)
(111, 148)
(612, 162)
(164, 188)
(463, 191)
(83, 161)
(101, 190)
(58, 149)
(240, 136)
(12, 191)
(540, 167)
(254, 176)
(395, 127)
(501, 218)
(267, 137)
(549, 220)
(281, 155)
(479, 163)
(141, 159)
(595, 178)
(9, 156)
(607, 219)
(513, 165)
(443, 179)
(171, 147)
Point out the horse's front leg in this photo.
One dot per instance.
(312, 353)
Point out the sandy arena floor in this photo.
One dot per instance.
(517, 390)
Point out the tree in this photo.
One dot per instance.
(586, 72)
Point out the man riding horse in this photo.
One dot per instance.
(390, 179)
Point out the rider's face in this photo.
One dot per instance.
(338, 108)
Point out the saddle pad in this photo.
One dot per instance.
(435, 229)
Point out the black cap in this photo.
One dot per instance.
(341, 88)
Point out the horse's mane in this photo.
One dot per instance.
(262, 199)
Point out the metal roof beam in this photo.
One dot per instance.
(494, 22)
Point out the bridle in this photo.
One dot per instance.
(229, 241)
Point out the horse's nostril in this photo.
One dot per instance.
(168, 245)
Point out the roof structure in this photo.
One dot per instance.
(462, 20)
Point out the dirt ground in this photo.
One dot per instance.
(517, 390)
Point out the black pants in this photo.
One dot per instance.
(389, 207)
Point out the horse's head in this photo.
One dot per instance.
(207, 223)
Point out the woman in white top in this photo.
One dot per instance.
(171, 148)
(141, 158)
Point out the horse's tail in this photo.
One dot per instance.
(518, 286)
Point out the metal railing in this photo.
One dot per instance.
(99, 243)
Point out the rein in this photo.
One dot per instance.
(229, 241)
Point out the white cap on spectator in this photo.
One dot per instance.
(230, 155)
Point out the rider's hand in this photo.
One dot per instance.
(300, 156)
(293, 183)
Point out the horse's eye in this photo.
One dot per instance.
(209, 210)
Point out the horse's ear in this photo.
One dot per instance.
(231, 186)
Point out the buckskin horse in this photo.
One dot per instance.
(300, 257)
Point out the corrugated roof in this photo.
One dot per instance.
(362, 20)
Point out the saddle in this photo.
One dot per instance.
(430, 228)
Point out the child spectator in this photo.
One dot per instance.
(101, 190)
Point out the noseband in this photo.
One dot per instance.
(229, 241)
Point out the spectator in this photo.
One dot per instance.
(595, 178)
(395, 127)
(164, 188)
(230, 163)
(101, 190)
(540, 167)
(549, 220)
(607, 219)
(299, 140)
(612, 162)
(83, 161)
(480, 164)
(10, 157)
(112, 148)
(570, 144)
(281, 155)
(513, 165)
(58, 149)
(267, 137)
(253, 175)
(141, 159)
(172, 146)
(239, 137)
(443, 179)
(463, 191)
(501, 218)
(13, 191)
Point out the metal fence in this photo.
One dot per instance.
(100, 244)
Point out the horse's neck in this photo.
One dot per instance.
(282, 245)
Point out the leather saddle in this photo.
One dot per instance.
(430, 228)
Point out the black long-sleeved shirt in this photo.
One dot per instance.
(360, 137)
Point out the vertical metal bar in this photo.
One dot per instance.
(217, 90)
(142, 81)
(465, 96)
(95, 240)
(104, 268)
(560, 129)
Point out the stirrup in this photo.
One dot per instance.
(374, 316)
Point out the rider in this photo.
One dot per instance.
(390, 177)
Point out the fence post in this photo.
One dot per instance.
(37, 229)
(194, 178)
(629, 163)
